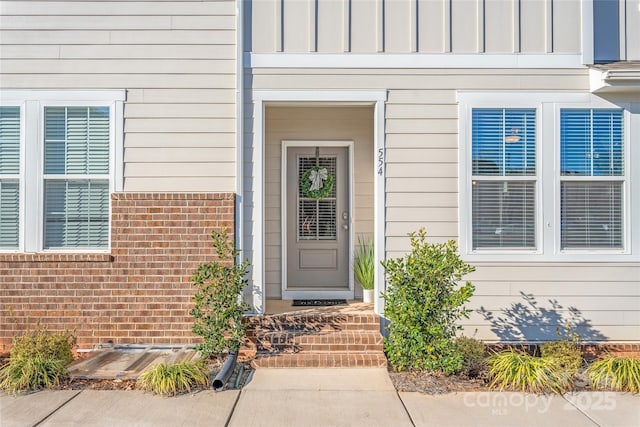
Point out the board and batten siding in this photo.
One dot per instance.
(176, 59)
(426, 26)
(421, 137)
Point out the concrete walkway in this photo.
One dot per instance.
(318, 397)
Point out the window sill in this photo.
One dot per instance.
(56, 257)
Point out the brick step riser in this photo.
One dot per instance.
(297, 348)
(321, 360)
(333, 341)
(370, 327)
(297, 323)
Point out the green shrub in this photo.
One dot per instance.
(423, 303)
(566, 352)
(472, 352)
(31, 373)
(522, 372)
(218, 307)
(169, 379)
(364, 265)
(616, 373)
(44, 344)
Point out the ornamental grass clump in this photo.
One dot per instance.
(615, 373)
(38, 359)
(423, 303)
(514, 370)
(170, 379)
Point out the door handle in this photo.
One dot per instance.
(345, 226)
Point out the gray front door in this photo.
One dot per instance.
(317, 229)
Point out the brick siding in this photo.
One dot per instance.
(139, 292)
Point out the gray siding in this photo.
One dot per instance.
(404, 26)
(176, 59)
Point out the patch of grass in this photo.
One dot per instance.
(616, 373)
(169, 379)
(519, 371)
(31, 373)
(473, 359)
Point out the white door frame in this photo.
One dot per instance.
(303, 294)
(252, 214)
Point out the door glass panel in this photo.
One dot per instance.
(317, 217)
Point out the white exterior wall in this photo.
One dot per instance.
(422, 190)
(176, 59)
(426, 26)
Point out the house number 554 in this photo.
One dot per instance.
(380, 161)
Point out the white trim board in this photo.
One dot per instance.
(415, 60)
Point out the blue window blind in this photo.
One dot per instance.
(76, 209)
(504, 141)
(591, 208)
(503, 210)
(591, 142)
(9, 177)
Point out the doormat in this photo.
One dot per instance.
(318, 302)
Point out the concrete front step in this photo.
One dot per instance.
(294, 342)
(325, 359)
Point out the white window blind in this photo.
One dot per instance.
(9, 177)
(592, 178)
(503, 189)
(76, 174)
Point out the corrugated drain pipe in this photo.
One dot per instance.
(227, 369)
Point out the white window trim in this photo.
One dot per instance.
(625, 178)
(32, 103)
(548, 105)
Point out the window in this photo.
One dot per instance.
(76, 177)
(9, 177)
(57, 196)
(503, 178)
(591, 179)
(548, 177)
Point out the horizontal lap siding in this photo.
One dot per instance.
(176, 59)
(422, 190)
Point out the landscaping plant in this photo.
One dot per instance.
(565, 350)
(514, 370)
(423, 303)
(38, 359)
(616, 373)
(169, 379)
(365, 263)
(473, 358)
(218, 307)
